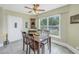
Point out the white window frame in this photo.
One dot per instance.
(59, 36)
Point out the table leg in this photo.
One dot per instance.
(49, 44)
(43, 49)
(38, 48)
(38, 51)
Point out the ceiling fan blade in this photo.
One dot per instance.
(28, 7)
(40, 10)
(29, 11)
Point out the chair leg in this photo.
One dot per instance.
(34, 52)
(38, 51)
(30, 50)
(23, 46)
(27, 49)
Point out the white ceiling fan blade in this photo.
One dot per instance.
(28, 7)
(29, 11)
(40, 10)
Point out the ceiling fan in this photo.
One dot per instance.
(35, 9)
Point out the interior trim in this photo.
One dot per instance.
(67, 46)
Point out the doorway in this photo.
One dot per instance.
(14, 28)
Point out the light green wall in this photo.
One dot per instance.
(73, 29)
(1, 19)
(69, 32)
(1, 23)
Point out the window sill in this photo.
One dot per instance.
(55, 36)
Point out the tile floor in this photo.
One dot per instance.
(16, 48)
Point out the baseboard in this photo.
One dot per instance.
(67, 46)
(14, 41)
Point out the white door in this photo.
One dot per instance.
(14, 28)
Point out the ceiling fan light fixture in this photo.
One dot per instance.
(36, 5)
(35, 9)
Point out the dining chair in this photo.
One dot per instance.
(35, 45)
(25, 41)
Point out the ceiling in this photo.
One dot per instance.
(20, 7)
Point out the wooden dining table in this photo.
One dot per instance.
(42, 39)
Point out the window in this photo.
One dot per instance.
(43, 23)
(52, 24)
